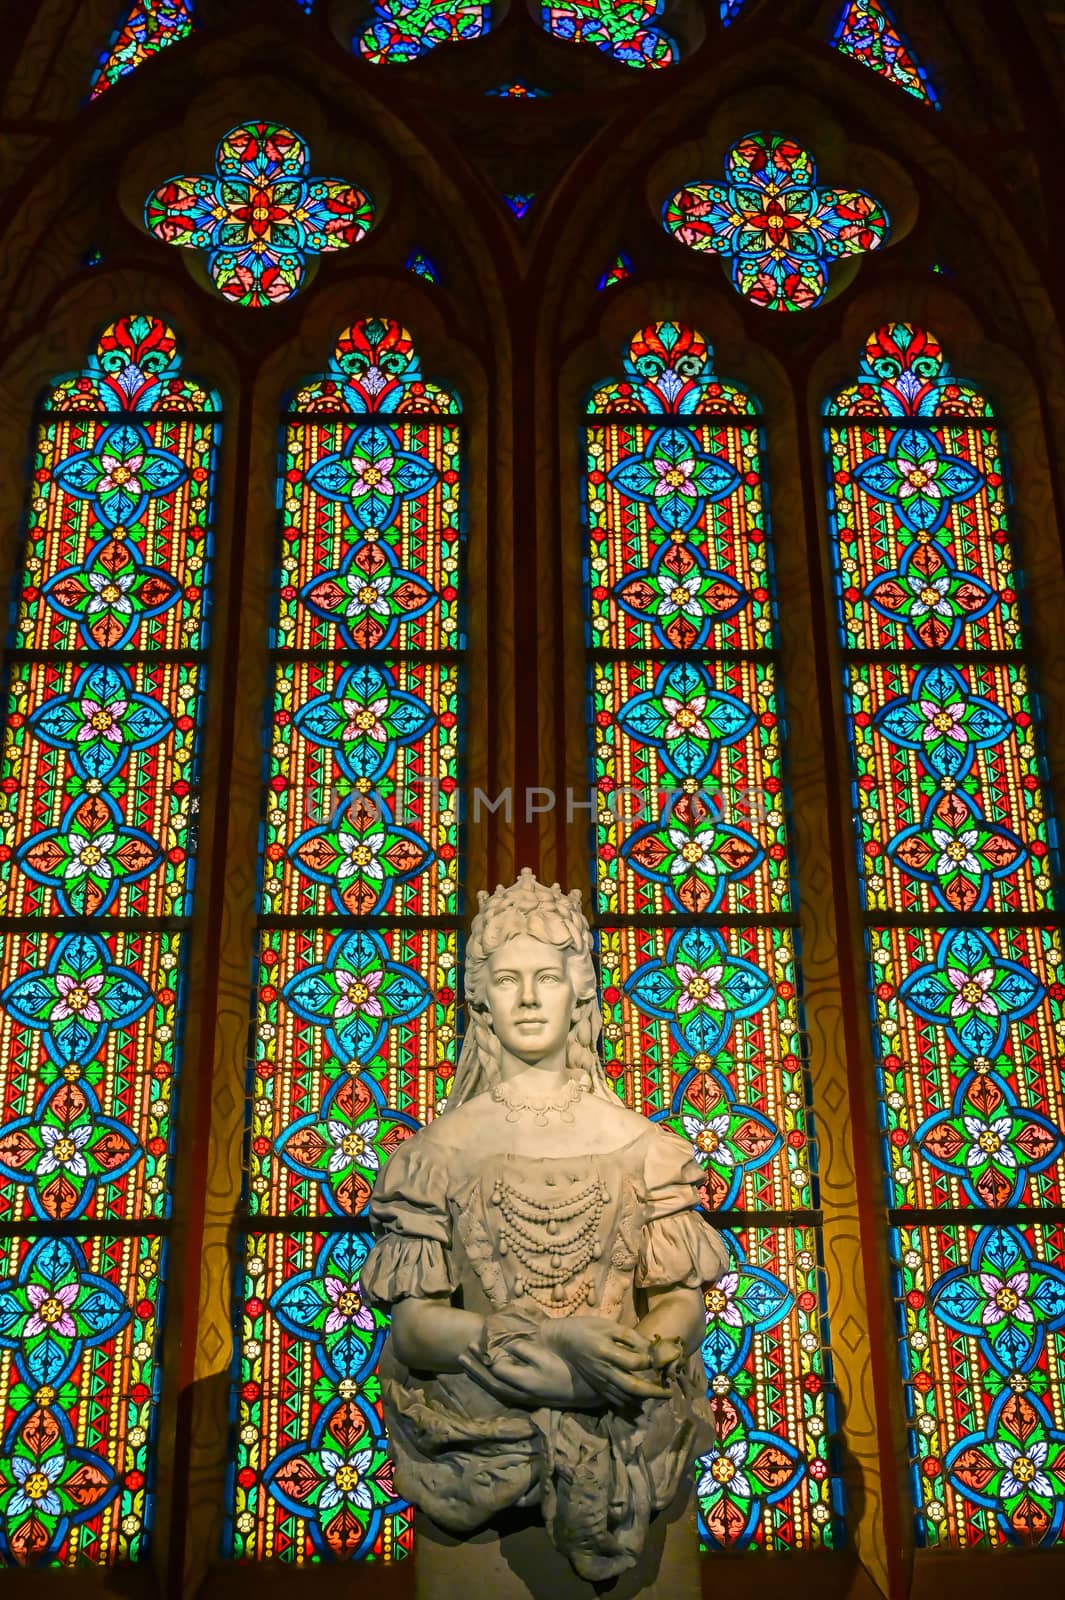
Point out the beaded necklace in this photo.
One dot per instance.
(552, 1242)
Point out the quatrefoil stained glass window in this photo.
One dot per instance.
(260, 215)
(630, 31)
(400, 31)
(770, 223)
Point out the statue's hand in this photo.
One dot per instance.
(614, 1361)
(528, 1373)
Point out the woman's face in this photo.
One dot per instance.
(530, 999)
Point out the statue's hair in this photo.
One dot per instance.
(528, 907)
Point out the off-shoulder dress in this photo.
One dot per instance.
(521, 1240)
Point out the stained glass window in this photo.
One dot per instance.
(730, 10)
(398, 31)
(618, 271)
(696, 907)
(631, 31)
(868, 33)
(97, 820)
(778, 232)
(518, 89)
(143, 31)
(358, 938)
(422, 266)
(260, 215)
(956, 854)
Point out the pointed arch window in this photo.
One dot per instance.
(143, 31)
(868, 33)
(97, 818)
(359, 925)
(695, 901)
(962, 905)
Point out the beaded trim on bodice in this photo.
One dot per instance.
(552, 1242)
(558, 1233)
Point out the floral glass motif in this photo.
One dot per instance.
(89, 857)
(360, 858)
(966, 1039)
(145, 29)
(918, 479)
(702, 1022)
(944, 722)
(727, 1077)
(101, 722)
(989, 1456)
(955, 852)
(868, 33)
(356, 994)
(121, 474)
(112, 592)
(630, 31)
(973, 991)
(371, 477)
(97, 793)
(674, 479)
(768, 1480)
(343, 1147)
(328, 1493)
(260, 215)
(78, 1317)
(953, 829)
(775, 229)
(358, 944)
(399, 31)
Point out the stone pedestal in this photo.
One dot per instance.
(515, 1560)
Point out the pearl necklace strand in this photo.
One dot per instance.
(552, 1241)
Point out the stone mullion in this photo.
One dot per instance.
(871, 1422)
(213, 1131)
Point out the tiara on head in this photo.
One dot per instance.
(527, 896)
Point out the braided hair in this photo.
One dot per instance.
(528, 907)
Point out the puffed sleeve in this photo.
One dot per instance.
(410, 1218)
(679, 1248)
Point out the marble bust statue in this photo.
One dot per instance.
(540, 1250)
